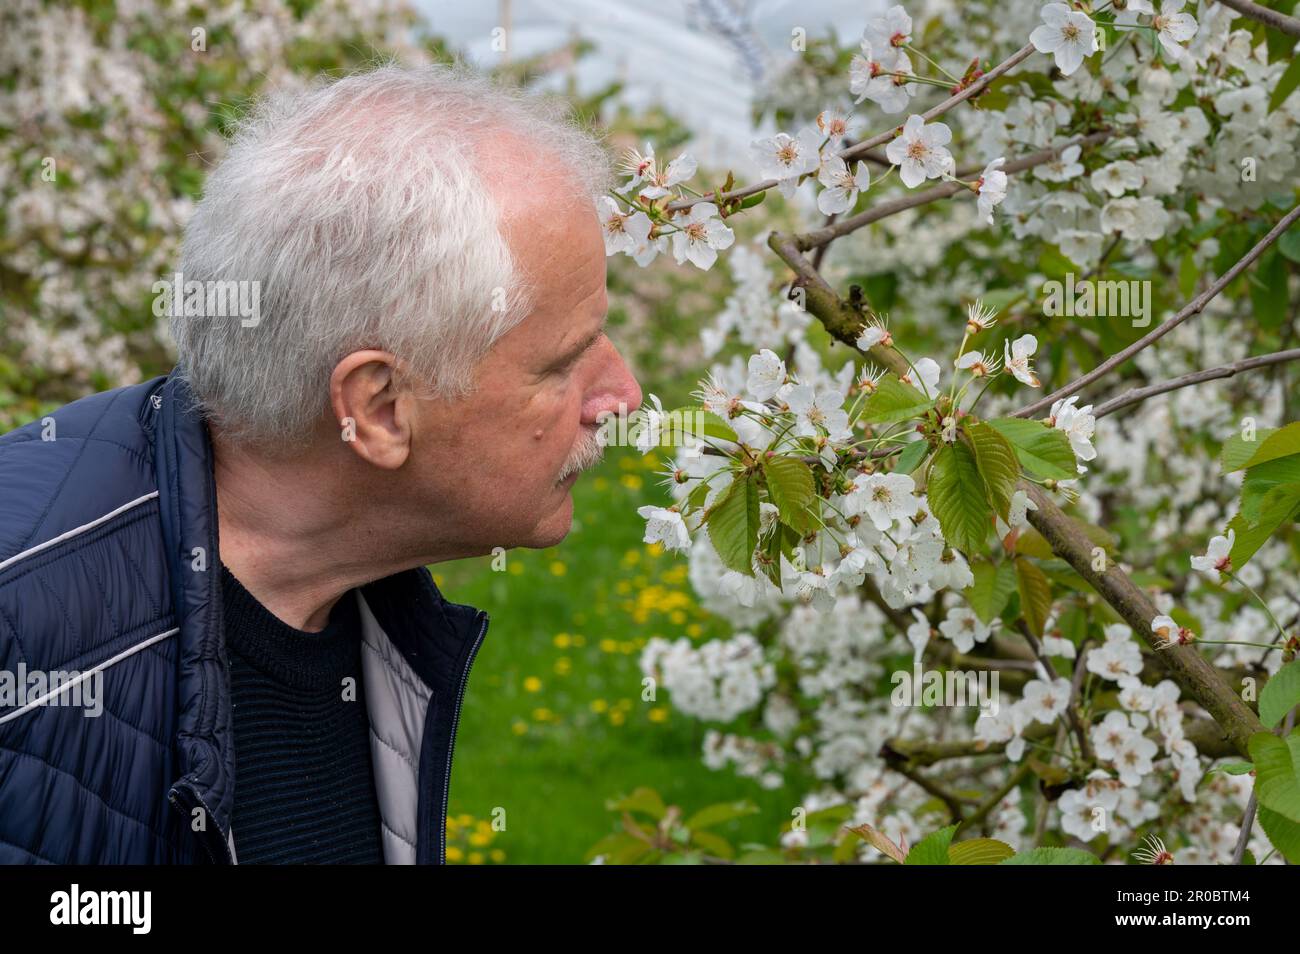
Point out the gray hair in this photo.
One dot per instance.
(358, 207)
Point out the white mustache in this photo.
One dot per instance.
(590, 452)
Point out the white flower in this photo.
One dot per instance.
(926, 379)
(953, 573)
(894, 29)
(842, 186)
(1133, 759)
(884, 498)
(979, 318)
(991, 188)
(766, 374)
(786, 158)
(977, 363)
(815, 409)
(964, 628)
(1116, 659)
(1067, 34)
(1216, 557)
(1057, 646)
(869, 77)
(812, 587)
(1110, 735)
(664, 525)
(1016, 359)
(1173, 28)
(1078, 424)
(1116, 178)
(875, 332)
(834, 125)
(1169, 634)
(1064, 167)
(648, 434)
(656, 182)
(1140, 219)
(623, 232)
(1043, 700)
(700, 234)
(919, 152)
(1017, 512)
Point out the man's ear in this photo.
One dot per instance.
(374, 415)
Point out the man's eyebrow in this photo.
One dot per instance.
(586, 342)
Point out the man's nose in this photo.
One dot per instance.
(616, 390)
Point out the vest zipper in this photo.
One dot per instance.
(451, 743)
(185, 800)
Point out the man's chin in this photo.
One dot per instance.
(555, 526)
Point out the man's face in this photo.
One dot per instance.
(491, 467)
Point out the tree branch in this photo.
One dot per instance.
(1189, 668)
(1271, 18)
(866, 145)
(911, 200)
(1194, 377)
(1194, 307)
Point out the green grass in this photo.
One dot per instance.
(553, 723)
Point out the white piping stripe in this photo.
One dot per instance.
(81, 529)
(90, 672)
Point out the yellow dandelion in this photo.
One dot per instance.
(532, 684)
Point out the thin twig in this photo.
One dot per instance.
(865, 146)
(1195, 377)
(1194, 307)
(1272, 18)
(829, 233)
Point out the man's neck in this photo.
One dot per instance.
(297, 536)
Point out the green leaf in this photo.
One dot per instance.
(1280, 694)
(1283, 833)
(1053, 856)
(956, 496)
(1233, 768)
(1237, 451)
(1277, 772)
(733, 524)
(752, 200)
(1289, 243)
(1282, 442)
(996, 459)
(932, 849)
(719, 813)
(693, 422)
(790, 485)
(1268, 290)
(1043, 451)
(715, 845)
(911, 457)
(644, 800)
(1262, 478)
(1035, 595)
(1188, 273)
(992, 588)
(1286, 84)
(1279, 508)
(979, 851)
(895, 400)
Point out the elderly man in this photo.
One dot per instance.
(236, 552)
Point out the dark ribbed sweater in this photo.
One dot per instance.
(304, 786)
